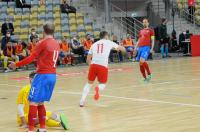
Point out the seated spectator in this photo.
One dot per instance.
(7, 0)
(9, 54)
(33, 34)
(65, 56)
(22, 4)
(19, 47)
(7, 26)
(187, 45)
(21, 50)
(77, 48)
(113, 51)
(42, 2)
(5, 40)
(1, 55)
(66, 8)
(129, 45)
(87, 43)
(175, 46)
(32, 44)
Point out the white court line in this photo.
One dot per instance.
(131, 99)
(10, 85)
(137, 99)
(125, 98)
(152, 83)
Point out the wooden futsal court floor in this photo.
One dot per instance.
(169, 103)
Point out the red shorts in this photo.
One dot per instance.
(101, 72)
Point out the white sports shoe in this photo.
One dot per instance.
(134, 60)
(81, 104)
(8, 70)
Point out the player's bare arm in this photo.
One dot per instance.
(121, 48)
(135, 49)
(89, 59)
(21, 114)
(152, 43)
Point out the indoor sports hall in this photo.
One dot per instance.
(147, 81)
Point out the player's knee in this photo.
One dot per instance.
(16, 58)
(5, 58)
(142, 61)
(102, 86)
(90, 82)
(41, 103)
(33, 103)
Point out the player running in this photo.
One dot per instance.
(52, 119)
(98, 60)
(144, 46)
(46, 53)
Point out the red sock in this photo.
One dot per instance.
(142, 70)
(146, 66)
(131, 53)
(42, 116)
(32, 116)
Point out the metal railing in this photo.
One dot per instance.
(125, 22)
(158, 7)
(128, 23)
(184, 13)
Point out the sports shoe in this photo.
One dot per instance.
(96, 96)
(64, 122)
(30, 131)
(40, 131)
(7, 70)
(81, 104)
(145, 80)
(149, 77)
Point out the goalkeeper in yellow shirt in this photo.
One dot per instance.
(52, 119)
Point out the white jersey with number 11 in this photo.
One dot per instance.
(100, 51)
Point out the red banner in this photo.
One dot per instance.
(195, 44)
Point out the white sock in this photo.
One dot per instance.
(86, 91)
(101, 87)
(57, 118)
(42, 130)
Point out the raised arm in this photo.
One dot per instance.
(29, 59)
(121, 48)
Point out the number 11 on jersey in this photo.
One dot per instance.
(99, 48)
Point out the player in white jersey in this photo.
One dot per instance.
(98, 60)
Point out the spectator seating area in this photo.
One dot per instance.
(183, 4)
(67, 25)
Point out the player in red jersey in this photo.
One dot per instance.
(144, 46)
(98, 60)
(46, 53)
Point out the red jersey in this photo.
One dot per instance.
(145, 37)
(46, 52)
(191, 3)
